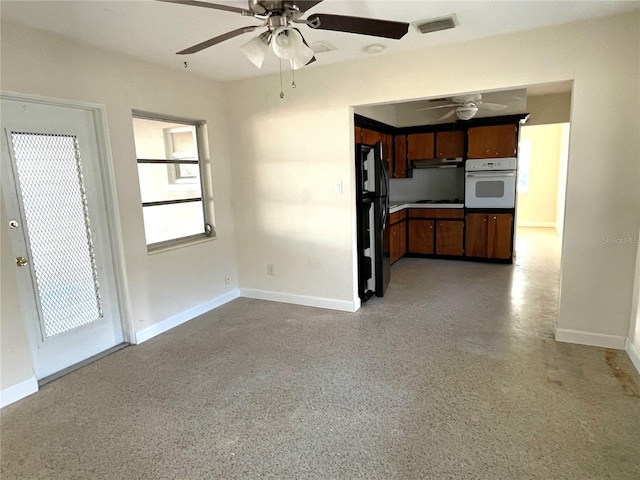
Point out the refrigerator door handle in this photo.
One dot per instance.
(386, 197)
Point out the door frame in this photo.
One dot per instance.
(107, 173)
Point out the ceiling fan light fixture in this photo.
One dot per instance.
(256, 49)
(287, 43)
(466, 112)
(302, 58)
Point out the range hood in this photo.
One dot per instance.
(437, 163)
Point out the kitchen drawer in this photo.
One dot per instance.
(436, 213)
(396, 217)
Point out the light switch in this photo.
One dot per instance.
(337, 188)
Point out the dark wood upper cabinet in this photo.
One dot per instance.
(420, 146)
(370, 137)
(492, 141)
(400, 156)
(387, 151)
(450, 144)
(358, 134)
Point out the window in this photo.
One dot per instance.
(171, 180)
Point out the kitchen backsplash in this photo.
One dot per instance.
(429, 184)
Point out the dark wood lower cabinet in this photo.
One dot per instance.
(489, 235)
(449, 237)
(476, 235)
(451, 233)
(402, 240)
(397, 235)
(394, 234)
(499, 235)
(421, 236)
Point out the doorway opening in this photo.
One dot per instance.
(538, 215)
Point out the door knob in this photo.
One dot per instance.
(21, 261)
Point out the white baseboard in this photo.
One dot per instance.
(536, 224)
(591, 339)
(308, 301)
(634, 354)
(179, 319)
(18, 391)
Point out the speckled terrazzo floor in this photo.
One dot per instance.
(454, 375)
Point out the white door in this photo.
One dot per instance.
(54, 200)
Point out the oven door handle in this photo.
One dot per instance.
(492, 174)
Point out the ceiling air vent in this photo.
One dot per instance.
(436, 24)
(322, 47)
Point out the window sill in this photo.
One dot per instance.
(178, 243)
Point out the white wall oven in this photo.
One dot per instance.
(490, 183)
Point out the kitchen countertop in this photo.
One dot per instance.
(397, 205)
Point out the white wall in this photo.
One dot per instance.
(160, 285)
(381, 113)
(290, 152)
(287, 154)
(538, 206)
(550, 108)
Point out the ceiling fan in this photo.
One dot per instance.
(465, 106)
(286, 41)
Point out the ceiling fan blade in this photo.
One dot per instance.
(216, 6)
(216, 40)
(438, 106)
(492, 106)
(362, 26)
(305, 5)
(447, 115)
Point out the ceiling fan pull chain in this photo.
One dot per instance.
(293, 73)
(281, 90)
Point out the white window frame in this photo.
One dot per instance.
(208, 230)
(175, 177)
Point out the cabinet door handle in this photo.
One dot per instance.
(484, 219)
(495, 218)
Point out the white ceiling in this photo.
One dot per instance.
(154, 31)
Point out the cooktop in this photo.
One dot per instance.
(455, 200)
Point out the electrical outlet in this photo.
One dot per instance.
(227, 280)
(270, 269)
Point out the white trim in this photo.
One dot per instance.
(115, 224)
(180, 318)
(536, 224)
(18, 391)
(634, 354)
(306, 300)
(592, 339)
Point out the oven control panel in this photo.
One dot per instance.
(489, 164)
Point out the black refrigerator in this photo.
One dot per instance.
(372, 187)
